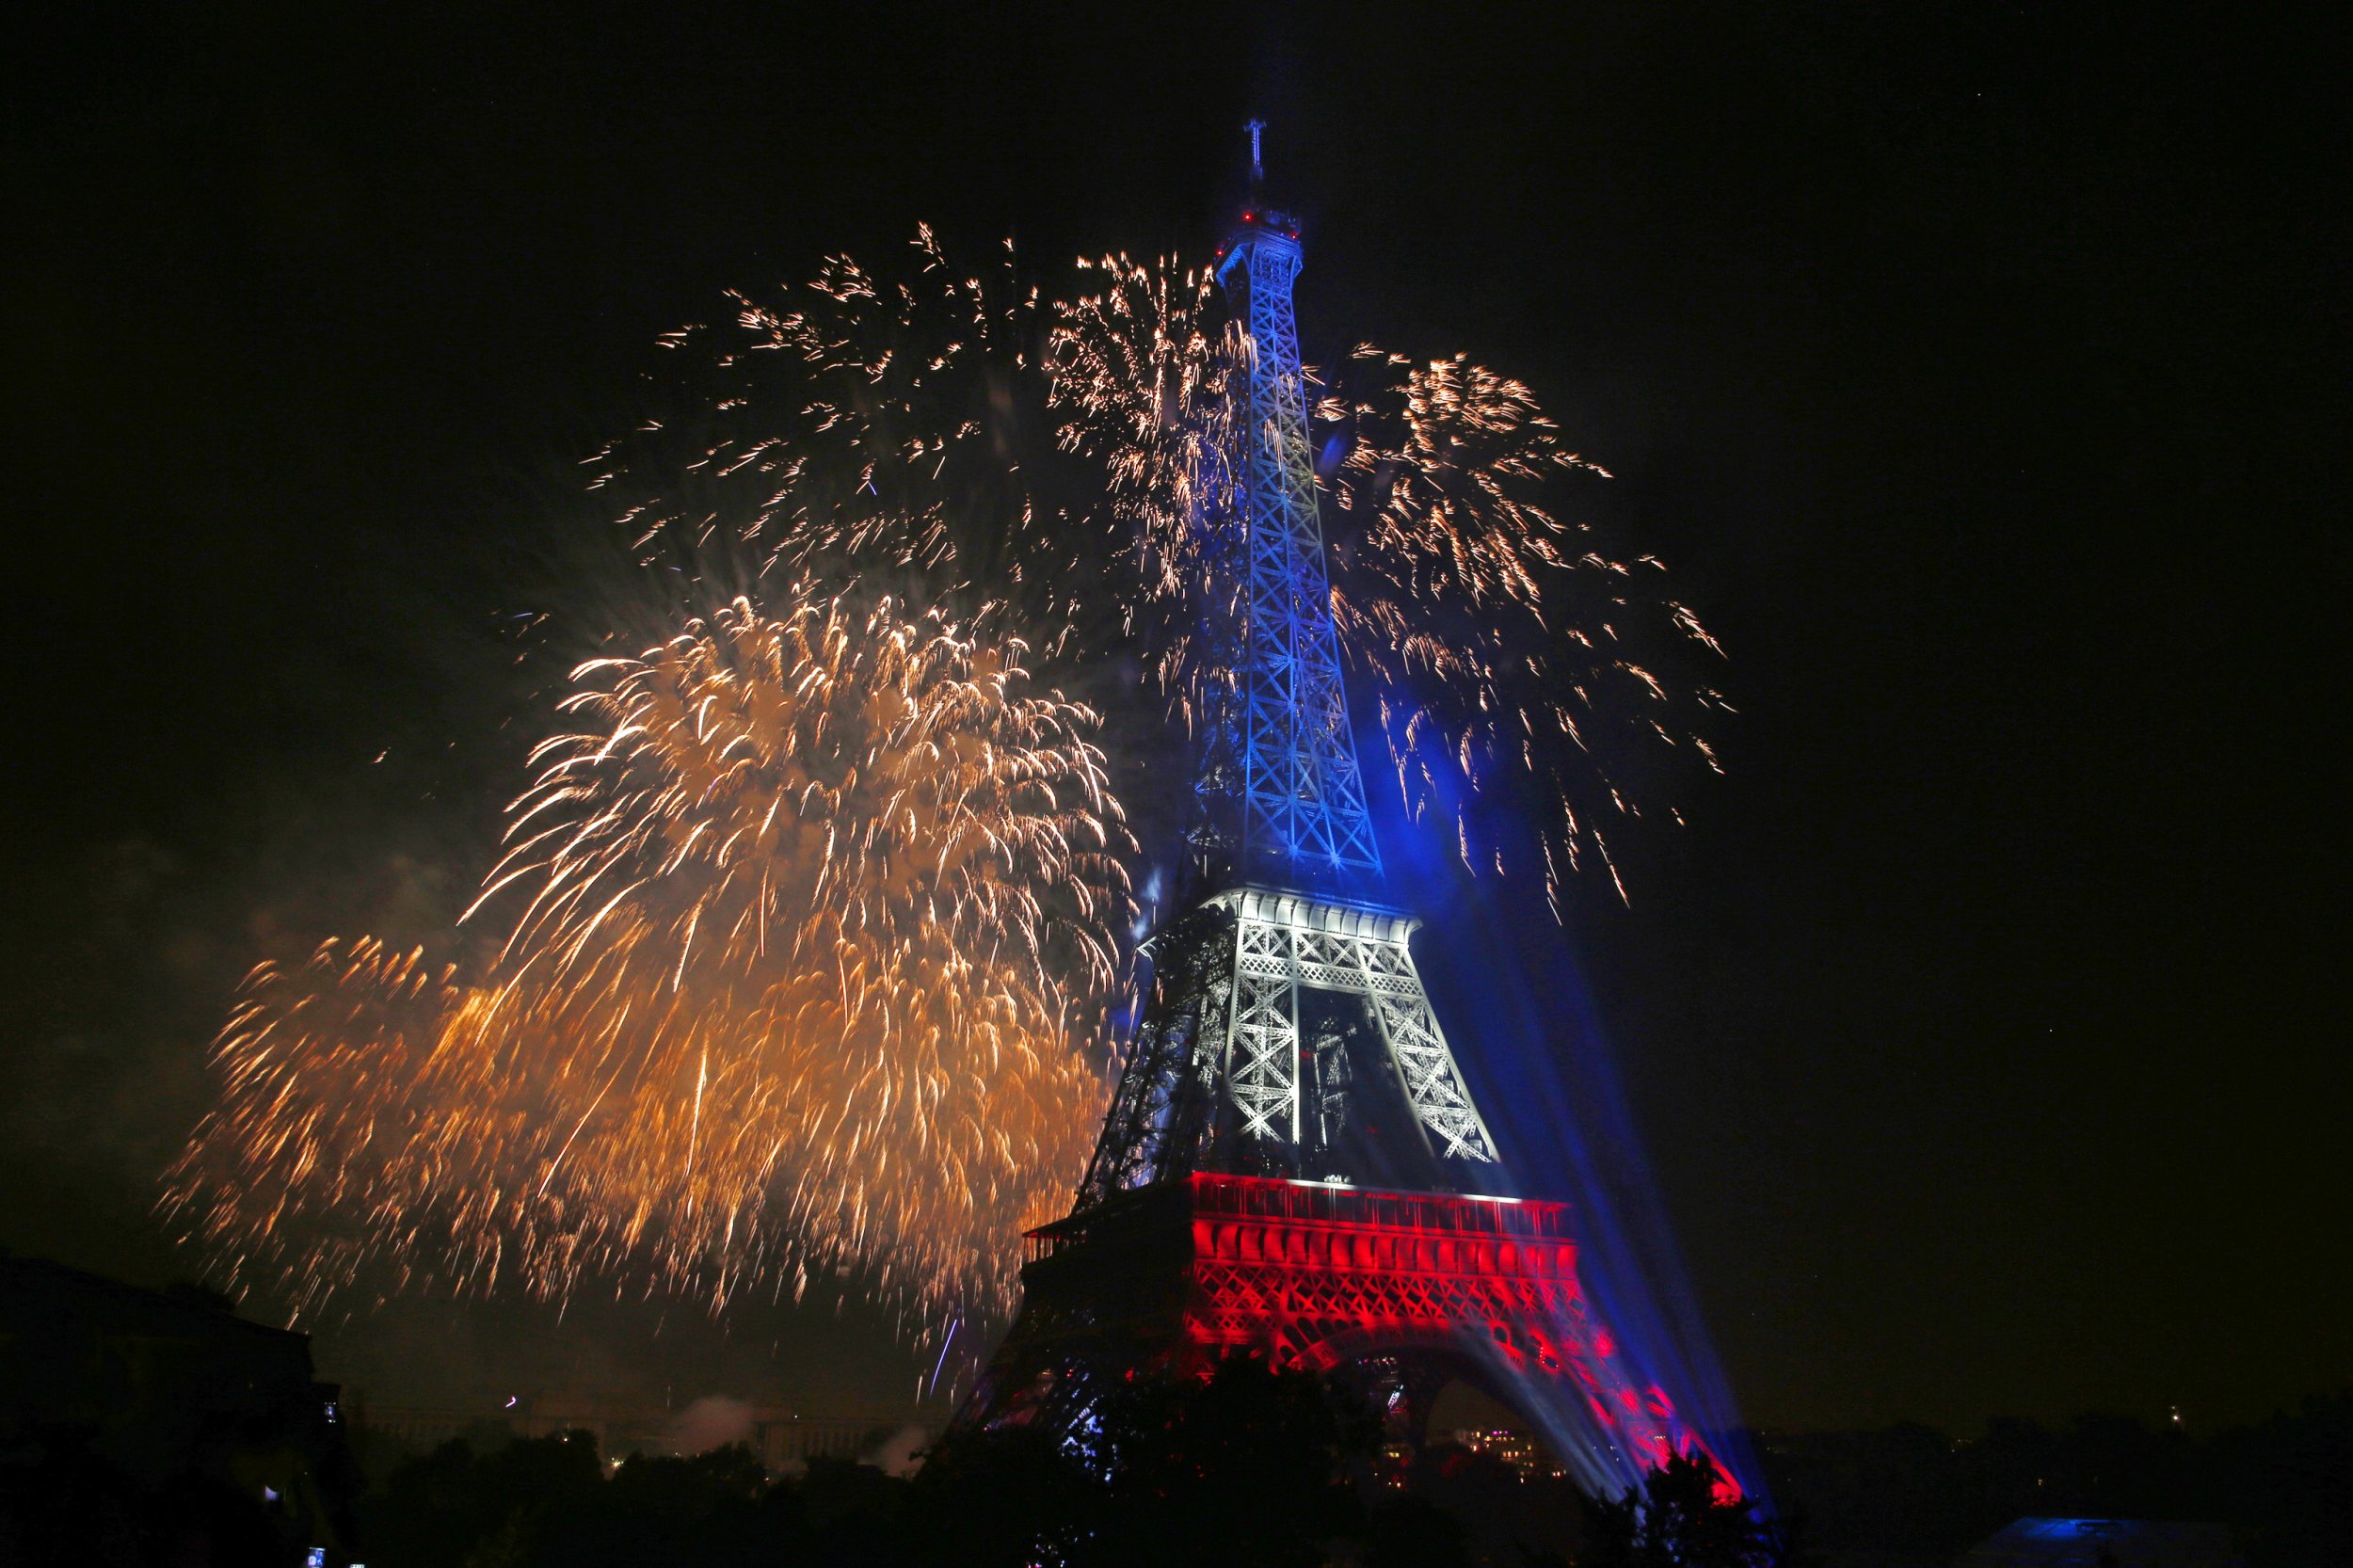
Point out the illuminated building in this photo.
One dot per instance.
(1293, 1164)
(1516, 1448)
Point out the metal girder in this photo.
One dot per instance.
(1221, 1024)
(1213, 1077)
(1167, 1094)
(1286, 941)
(1288, 760)
(1424, 1287)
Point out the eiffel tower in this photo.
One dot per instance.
(1293, 1164)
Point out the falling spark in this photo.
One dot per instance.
(796, 917)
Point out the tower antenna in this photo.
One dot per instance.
(1258, 166)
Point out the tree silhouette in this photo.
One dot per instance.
(1682, 1516)
(1250, 1468)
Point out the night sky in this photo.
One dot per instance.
(1979, 370)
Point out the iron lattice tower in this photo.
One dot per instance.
(1293, 1164)
(1279, 784)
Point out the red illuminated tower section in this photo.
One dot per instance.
(1398, 1292)
(1293, 1164)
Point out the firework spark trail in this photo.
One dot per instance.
(890, 431)
(306, 1128)
(803, 925)
(1502, 640)
(1145, 383)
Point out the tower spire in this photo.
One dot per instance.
(1257, 163)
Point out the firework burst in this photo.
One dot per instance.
(805, 924)
(802, 945)
(890, 431)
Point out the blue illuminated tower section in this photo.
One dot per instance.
(1283, 773)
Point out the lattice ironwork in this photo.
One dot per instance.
(1213, 1080)
(1324, 1278)
(1279, 772)
(1164, 1107)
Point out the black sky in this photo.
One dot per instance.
(1979, 370)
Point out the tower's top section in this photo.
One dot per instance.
(1261, 222)
(1281, 796)
(1260, 225)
